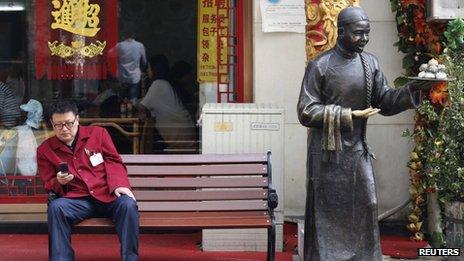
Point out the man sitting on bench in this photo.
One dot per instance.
(81, 165)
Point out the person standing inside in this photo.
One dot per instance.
(82, 167)
(132, 61)
(184, 83)
(341, 89)
(9, 118)
(15, 82)
(172, 119)
(9, 107)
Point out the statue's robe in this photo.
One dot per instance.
(341, 203)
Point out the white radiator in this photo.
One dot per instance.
(237, 128)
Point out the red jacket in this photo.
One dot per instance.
(99, 181)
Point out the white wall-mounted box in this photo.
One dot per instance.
(241, 128)
(445, 9)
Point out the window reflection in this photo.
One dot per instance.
(166, 27)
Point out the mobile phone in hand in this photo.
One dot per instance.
(63, 167)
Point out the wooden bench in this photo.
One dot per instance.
(204, 191)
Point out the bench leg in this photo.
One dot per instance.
(271, 240)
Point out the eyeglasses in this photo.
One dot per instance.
(60, 126)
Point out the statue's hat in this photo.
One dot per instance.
(350, 15)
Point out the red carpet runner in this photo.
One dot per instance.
(166, 247)
(400, 247)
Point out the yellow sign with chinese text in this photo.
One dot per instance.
(212, 49)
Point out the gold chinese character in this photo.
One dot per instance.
(76, 16)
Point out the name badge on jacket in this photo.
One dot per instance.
(96, 159)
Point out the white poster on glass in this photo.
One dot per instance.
(283, 16)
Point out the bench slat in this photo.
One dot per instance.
(186, 223)
(23, 208)
(201, 195)
(195, 158)
(203, 214)
(204, 182)
(208, 223)
(203, 205)
(22, 217)
(206, 170)
(171, 220)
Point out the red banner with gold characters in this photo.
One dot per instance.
(321, 27)
(76, 39)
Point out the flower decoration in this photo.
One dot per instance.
(437, 161)
(420, 40)
(438, 94)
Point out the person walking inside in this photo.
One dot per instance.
(132, 61)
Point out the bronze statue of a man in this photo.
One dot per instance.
(341, 89)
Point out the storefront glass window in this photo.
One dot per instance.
(167, 30)
(48, 53)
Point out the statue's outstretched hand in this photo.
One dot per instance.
(366, 113)
(422, 85)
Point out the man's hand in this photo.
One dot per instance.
(366, 113)
(124, 191)
(422, 85)
(64, 178)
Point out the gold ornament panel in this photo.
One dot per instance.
(76, 48)
(321, 27)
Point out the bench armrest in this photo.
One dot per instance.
(273, 199)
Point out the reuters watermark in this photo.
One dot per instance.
(439, 252)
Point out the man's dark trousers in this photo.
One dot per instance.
(64, 212)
